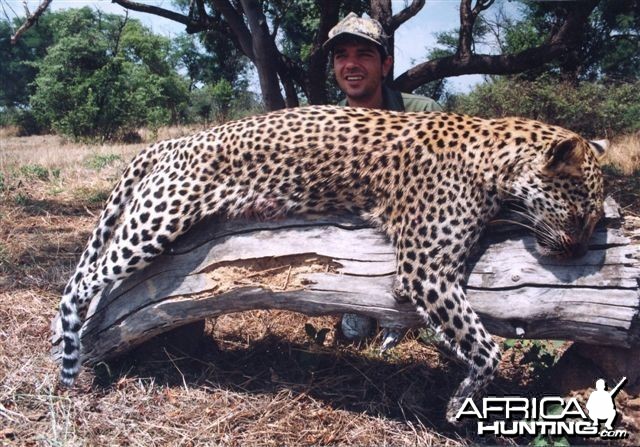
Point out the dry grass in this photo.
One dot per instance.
(622, 172)
(624, 154)
(55, 152)
(255, 378)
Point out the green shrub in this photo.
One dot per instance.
(99, 161)
(219, 103)
(592, 109)
(98, 197)
(91, 195)
(104, 78)
(22, 199)
(27, 123)
(36, 172)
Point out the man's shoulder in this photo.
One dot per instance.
(417, 103)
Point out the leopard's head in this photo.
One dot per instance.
(561, 195)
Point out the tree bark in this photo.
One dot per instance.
(338, 265)
(30, 20)
(381, 10)
(265, 53)
(315, 78)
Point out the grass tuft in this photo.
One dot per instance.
(36, 172)
(101, 161)
(624, 154)
(94, 196)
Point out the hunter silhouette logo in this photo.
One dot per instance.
(548, 415)
(601, 403)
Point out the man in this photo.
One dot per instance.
(361, 62)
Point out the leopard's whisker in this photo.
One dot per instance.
(546, 235)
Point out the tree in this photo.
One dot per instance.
(609, 50)
(255, 27)
(18, 68)
(105, 76)
(258, 29)
(207, 59)
(592, 90)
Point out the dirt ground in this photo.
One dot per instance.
(253, 378)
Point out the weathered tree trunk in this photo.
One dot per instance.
(336, 265)
(314, 79)
(266, 55)
(381, 11)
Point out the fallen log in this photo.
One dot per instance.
(334, 265)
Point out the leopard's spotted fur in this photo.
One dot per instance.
(431, 181)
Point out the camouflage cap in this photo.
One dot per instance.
(364, 28)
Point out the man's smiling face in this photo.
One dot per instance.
(359, 70)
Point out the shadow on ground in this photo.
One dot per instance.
(344, 378)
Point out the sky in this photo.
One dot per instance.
(412, 40)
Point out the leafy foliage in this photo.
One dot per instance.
(36, 172)
(18, 68)
(99, 161)
(105, 76)
(211, 57)
(536, 355)
(221, 102)
(611, 48)
(590, 87)
(592, 109)
(93, 75)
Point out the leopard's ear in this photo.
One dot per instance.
(565, 157)
(599, 147)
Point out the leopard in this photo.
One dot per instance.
(430, 181)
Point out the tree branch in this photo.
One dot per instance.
(404, 15)
(192, 26)
(316, 74)
(30, 21)
(481, 5)
(266, 54)
(468, 18)
(202, 12)
(565, 38)
(237, 25)
(381, 11)
(467, 21)
(203, 22)
(121, 26)
(277, 19)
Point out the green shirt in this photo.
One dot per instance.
(404, 102)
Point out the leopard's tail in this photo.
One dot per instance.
(71, 312)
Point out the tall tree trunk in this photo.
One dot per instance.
(265, 53)
(315, 77)
(381, 11)
(291, 94)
